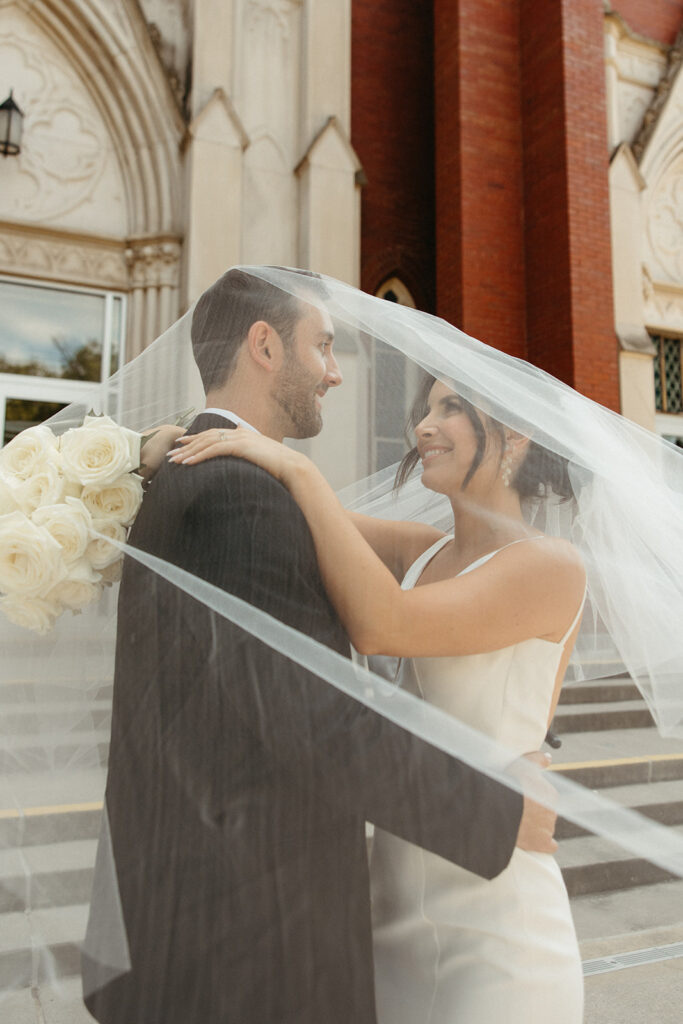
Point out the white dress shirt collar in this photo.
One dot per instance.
(226, 414)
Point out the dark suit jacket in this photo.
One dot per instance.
(239, 784)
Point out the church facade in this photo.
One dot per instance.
(516, 170)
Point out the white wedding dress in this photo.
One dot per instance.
(451, 947)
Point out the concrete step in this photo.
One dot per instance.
(62, 929)
(596, 717)
(41, 826)
(59, 752)
(599, 691)
(592, 864)
(660, 801)
(17, 721)
(622, 920)
(60, 875)
(638, 769)
(25, 694)
(61, 1003)
(618, 756)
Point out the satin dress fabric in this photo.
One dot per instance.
(450, 946)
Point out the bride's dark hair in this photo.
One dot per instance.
(540, 472)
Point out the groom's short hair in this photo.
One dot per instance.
(225, 312)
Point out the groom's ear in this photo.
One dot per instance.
(264, 346)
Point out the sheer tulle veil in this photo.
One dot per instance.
(622, 506)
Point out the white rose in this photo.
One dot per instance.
(80, 588)
(31, 560)
(27, 451)
(112, 573)
(119, 500)
(36, 613)
(101, 552)
(45, 486)
(69, 523)
(7, 500)
(99, 452)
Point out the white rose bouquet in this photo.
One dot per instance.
(65, 507)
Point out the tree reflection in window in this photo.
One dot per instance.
(58, 332)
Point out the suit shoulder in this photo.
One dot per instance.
(235, 474)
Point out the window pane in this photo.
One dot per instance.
(389, 452)
(48, 332)
(659, 403)
(21, 413)
(672, 374)
(390, 393)
(115, 336)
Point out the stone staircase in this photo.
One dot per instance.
(626, 910)
(608, 743)
(50, 808)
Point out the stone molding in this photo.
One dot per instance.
(332, 128)
(634, 67)
(154, 262)
(219, 102)
(663, 92)
(69, 259)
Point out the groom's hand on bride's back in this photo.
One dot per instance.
(538, 822)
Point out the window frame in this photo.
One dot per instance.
(25, 387)
(411, 371)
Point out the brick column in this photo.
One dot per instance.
(392, 131)
(567, 242)
(479, 185)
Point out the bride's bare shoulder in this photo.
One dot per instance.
(553, 558)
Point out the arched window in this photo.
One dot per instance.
(394, 385)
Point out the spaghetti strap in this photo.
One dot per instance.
(417, 568)
(484, 558)
(575, 620)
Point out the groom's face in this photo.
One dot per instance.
(309, 369)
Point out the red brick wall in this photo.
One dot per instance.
(479, 188)
(522, 243)
(656, 19)
(392, 131)
(568, 262)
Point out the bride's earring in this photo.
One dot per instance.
(506, 466)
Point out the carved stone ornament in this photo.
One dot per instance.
(260, 11)
(662, 305)
(81, 261)
(66, 157)
(665, 223)
(154, 262)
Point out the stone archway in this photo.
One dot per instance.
(95, 197)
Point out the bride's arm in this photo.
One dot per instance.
(528, 590)
(397, 543)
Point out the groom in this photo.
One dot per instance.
(239, 783)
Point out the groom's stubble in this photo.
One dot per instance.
(295, 393)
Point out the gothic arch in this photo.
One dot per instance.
(110, 48)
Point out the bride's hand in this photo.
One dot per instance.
(278, 460)
(160, 442)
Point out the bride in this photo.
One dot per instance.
(484, 622)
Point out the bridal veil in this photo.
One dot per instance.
(620, 503)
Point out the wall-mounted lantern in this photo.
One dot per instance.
(11, 127)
